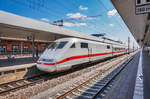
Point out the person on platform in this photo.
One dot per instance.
(11, 57)
(37, 52)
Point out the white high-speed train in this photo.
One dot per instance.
(67, 52)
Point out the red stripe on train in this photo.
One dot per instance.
(79, 57)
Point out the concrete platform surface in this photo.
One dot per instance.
(124, 87)
(146, 75)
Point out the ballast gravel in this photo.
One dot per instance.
(51, 88)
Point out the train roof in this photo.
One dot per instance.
(108, 42)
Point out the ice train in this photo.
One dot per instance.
(64, 53)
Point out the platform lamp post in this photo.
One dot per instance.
(32, 39)
(21, 43)
(133, 46)
(33, 46)
(0, 40)
(128, 44)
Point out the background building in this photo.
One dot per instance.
(20, 47)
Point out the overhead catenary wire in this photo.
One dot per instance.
(62, 5)
(96, 28)
(40, 7)
(101, 3)
(42, 10)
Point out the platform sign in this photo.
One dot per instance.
(29, 38)
(142, 6)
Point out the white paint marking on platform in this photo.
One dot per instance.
(138, 91)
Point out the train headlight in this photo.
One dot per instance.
(50, 60)
(47, 60)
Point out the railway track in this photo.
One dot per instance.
(6, 88)
(13, 86)
(94, 87)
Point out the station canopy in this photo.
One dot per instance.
(20, 28)
(138, 24)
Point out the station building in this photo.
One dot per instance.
(15, 29)
(20, 47)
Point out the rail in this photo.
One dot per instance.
(94, 87)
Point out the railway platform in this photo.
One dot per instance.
(18, 68)
(134, 81)
(16, 61)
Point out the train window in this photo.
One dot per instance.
(138, 1)
(147, 0)
(62, 44)
(52, 46)
(84, 45)
(57, 45)
(73, 45)
(116, 48)
(108, 46)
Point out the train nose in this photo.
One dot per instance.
(46, 66)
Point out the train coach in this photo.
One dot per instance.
(64, 53)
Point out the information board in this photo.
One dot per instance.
(142, 6)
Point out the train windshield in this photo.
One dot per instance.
(62, 44)
(53, 45)
(57, 45)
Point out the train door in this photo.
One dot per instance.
(84, 51)
(90, 53)
(112, 49)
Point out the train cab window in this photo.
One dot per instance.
(108, 46)
(84, 45)
(62, 44)
(73, 45)
(57, 45)
(52, 45)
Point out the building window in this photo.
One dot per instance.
(26, 49)
(15, 49)
(2, 49)
(84, 45)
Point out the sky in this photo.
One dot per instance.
(86, 16)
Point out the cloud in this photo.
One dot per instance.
(112, 12)
(79, 16)
(83, 8)
(45, 19)
(74, 24)
(111, 25)
(76, 15)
